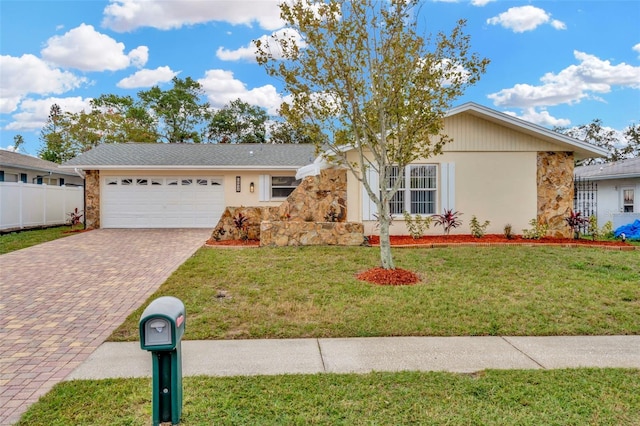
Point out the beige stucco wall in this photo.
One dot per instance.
(495, 186)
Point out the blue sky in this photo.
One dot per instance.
(552, 62)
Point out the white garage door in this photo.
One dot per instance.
(161, 202)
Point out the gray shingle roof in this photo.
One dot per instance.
(620, 169)
(204, 156)
(27, 162)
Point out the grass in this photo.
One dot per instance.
(280, 293)
(560, 397)
(18, 240)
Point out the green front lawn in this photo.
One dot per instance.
(18, 240)
(551, 397)
(313, 292)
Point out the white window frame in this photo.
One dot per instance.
(623, 203)
(266, 187)
(412, 196)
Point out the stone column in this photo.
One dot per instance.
(92, 199)
(555, 191)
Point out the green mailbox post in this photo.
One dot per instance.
(161, 329)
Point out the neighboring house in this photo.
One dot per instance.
(136, 185)
(16, 167)
(618, 190)
(498, 168)
(35, 192)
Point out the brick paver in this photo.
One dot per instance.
(62, 299)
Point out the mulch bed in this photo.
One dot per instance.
(233, 243)
(406, 240)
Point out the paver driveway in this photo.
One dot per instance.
(60, 300)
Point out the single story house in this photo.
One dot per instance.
(617, 192)
(498, 168)
(16, 167)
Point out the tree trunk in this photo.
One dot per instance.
(385, 243)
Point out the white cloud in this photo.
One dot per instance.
(636, 48)
(542, 118)
(221, 88)
(147, 78)
(29, 74)
(524, 18)
(127, 15)
(480, 3)
(571, 85)
(139, 56)
(249, 52)
(34, 112)
(86, 49)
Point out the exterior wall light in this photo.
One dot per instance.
(238, 185)
(252, 187)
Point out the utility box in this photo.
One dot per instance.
(161, 327)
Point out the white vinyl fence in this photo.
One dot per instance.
(25, 205)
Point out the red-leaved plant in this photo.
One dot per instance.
(575, 222)
(449, 219)
(75, 217)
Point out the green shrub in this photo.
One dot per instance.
(416, 225)
(478, 230)
(538, 231)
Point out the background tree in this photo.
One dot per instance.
(179, 112)
(284, 132)
(364, 71)
(56, 144)
(619, 146)
(18, 141)
(124, 119)
(238, 122)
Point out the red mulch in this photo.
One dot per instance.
(234, 243)
(400, 240)
(383, 276)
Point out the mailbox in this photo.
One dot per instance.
(161, 329)
(162, 324)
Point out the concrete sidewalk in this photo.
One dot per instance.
(362, 355)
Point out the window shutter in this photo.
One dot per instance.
(264, 188)
(448, 186)
(61, 181)
(369, 209)
(1, 175)
(39, 180)
(23, 177)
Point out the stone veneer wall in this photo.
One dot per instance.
(313, 214)
(92, 199)
(297, 233)
(555, 191)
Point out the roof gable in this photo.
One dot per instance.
(545, 137)
(194, 156)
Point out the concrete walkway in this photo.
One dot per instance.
(362, 355)
(62, 299)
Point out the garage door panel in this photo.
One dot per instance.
(161, 202)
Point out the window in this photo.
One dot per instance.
(111, 181)
(156, 182)
(627, 200)
(282, 186)
(417, 193)
(126, 181)
(142, 181)
(186, 182)
(49, 181)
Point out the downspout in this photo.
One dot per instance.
(82, 174)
